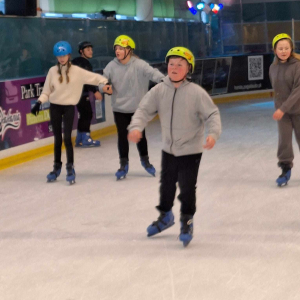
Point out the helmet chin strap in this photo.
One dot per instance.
(82, 54)
(125, 56)
(182, 79)
(178, 80)
(65, 63)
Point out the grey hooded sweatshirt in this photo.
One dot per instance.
(285, 80)
(183, 111)
(130, 82)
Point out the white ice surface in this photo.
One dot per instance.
(88, 241)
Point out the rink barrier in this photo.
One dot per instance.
(226, 98)
(97, 134)
(48, 149)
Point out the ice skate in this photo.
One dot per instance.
(148, 167)
(122, 172)
(88, 142)
(164, 221)
(52, 176)
(285, 176)
(78, 141)
(186, 230)
(70, 174)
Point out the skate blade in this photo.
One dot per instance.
(160, 230)
(151, 173)
(185, 244)
(51, 180)
(120, 178)
(90, 146)
(71, 182)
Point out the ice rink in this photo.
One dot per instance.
(88, 241)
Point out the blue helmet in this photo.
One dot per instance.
(62, 48)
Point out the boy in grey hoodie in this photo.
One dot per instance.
(129, 77)
(184, 108)
(285, 79)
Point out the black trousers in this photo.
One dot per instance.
(184, 170)
(122, 121)
(85, 114)
(65, 114)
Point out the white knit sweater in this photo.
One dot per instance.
(68, 93)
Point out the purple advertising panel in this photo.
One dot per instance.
(17, 125)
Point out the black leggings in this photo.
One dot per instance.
(65, 113)
(84, 108)
(122, 121)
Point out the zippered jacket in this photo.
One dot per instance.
(184, 113)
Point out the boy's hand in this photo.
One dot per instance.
(134, 136)
(98, 96)
(210, 142)
(107, 89)
(278, 114)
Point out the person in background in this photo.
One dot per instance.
(285, 79)
(83, 138)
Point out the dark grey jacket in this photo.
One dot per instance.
(285, 80)
(183, 113)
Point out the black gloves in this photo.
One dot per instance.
(36, 109)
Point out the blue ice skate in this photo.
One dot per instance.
(186, 230)
(78, 141)
(124, 167)
(70, 174)
(164, 221)
(283, 179)
(52, 176)
(88, 142)
(148, 167)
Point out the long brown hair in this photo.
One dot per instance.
(293, 54)
(69, 64)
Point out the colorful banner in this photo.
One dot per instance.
(17, 125)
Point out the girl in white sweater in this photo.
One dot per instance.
(62, 88)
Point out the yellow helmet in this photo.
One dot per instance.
(279, 37)
(124, 41)
(184, 53)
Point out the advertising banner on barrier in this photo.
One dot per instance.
(250, 73)
(17, 125)
(234, 74)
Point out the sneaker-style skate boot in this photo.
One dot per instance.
(164, 221)
(88, 142)
(186, 230)
(285, 176)
(52, 176)
(70, 173)
(146, 164)
(122, 172)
